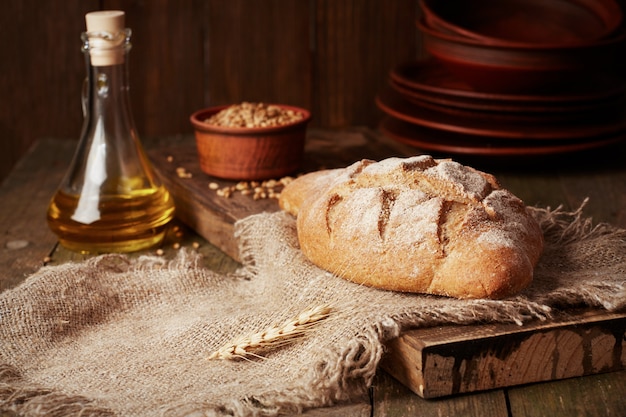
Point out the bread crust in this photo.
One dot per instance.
(416, 225)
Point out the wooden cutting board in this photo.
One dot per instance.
(213, 216)
(432, 362)
(442, 361)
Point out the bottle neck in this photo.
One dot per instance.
(106, 48)
(106, 99)
(108, 86)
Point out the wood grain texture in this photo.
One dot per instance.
(594, 396)
(166, 63)
(258, 51)
(201, 208)
(601, 180)
(25, 239)
(178, 237)
(356, 44)
(443, 361)
(393, 400)
(41, 73)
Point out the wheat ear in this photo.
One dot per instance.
(244, 347)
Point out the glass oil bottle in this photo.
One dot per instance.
(110, 199)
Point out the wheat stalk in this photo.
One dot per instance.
(274, 336)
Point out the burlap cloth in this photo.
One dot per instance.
(113, 336)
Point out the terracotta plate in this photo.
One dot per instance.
(431, 79)
(543, 109)
(433, 140)
(395, 105)
(532, 113)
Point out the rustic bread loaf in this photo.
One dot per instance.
(416, 225)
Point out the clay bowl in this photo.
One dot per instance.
(241, 153)
(498, 22)
(523, 67)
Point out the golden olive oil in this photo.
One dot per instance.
(122, 223)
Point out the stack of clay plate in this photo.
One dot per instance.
(491, 89)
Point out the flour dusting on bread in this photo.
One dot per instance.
(416, 224)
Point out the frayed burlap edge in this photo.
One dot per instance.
(20, 398)
(345, 374)
(560, 228)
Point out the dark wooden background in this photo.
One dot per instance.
(330, 56)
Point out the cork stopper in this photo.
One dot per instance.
(105, 30)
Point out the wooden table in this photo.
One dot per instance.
(26, 243)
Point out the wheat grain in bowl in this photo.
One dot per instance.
(250, 141)
(249, 115)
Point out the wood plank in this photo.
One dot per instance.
(42, 71)
(178, 237)
(258, 51)
(359, 408)
(166, 63)
(593, 396)
(393, 400)
(356, 43)
(449, 360)
(25, 239)
(199, 207)
(213, 217)
(599, 176)
(600, 186)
